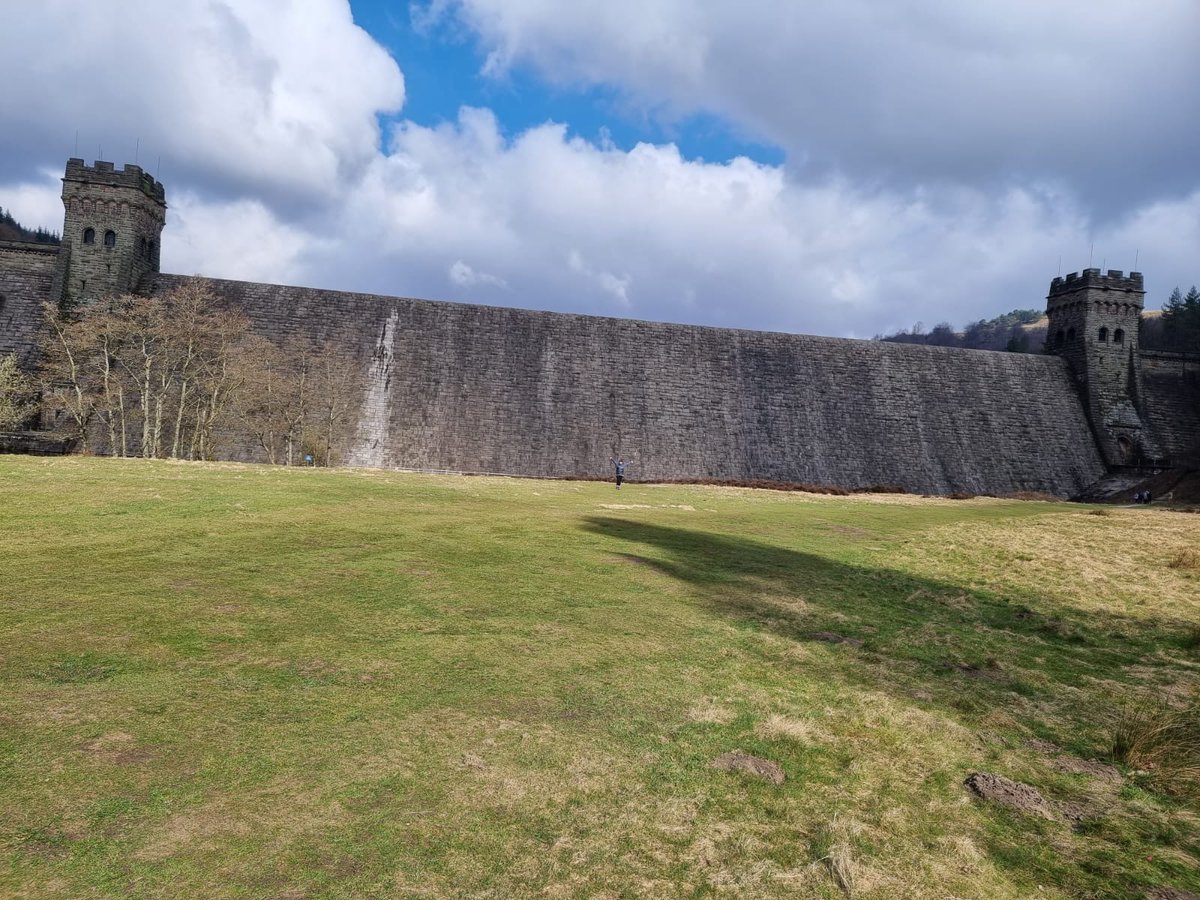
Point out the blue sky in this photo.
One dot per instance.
(442, 66)
(845, 168)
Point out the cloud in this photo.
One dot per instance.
(276, 170)
(464, 276)
(274, 97)
(1095, 93)
(227, 239)
(36, 202)
(563, 223)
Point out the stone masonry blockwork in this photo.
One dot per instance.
(26, 281)
(483, 389)
(487, 389)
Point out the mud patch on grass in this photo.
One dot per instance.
(1170, 893)
(740, 761)
(1041, 746)
(1010, 794)
(1073, 765)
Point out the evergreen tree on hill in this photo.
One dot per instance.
(12, 230)
(1181, 320)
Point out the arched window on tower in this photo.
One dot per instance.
(110, 239)
(89, 235)
(1119, 336)
(1103, 335)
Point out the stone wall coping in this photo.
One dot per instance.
(1181, 355)
(31, 247)
(164, 280)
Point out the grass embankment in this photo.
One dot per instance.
(224, 681)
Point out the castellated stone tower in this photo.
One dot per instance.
(111, 231)
(1094, 326)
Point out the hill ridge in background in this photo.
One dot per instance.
(12, 230)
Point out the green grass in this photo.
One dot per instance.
(236, 681)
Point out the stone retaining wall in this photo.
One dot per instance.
(475, 388)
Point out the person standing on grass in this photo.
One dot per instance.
(619, 465)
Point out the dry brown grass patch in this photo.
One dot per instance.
(1161, 739)
(783, 728)
(1187, 560)
(835, 842)
(1064, 560)
(709, 710)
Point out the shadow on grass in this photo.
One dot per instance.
(942, 628)
(965, 650)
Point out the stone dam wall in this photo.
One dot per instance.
(486, 389)
(27, 275)
(1170, 403)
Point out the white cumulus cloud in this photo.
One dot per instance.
(266, 116)
(1097, 92)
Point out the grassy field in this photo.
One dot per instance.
(236, 681)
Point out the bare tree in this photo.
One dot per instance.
(67, 349)
(299, 397)
(16, 392)
(266, 402)
(338, 382)
(153, 371)
(220, 378)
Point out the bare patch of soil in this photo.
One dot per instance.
(1077, 813)
(117, 748)
(1170, 893)
(740, 761)
(1041, 746)
(1073, 765)
(473, 761)
(1010, 794)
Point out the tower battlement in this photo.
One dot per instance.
(103, 172)
(114, 218)
(1092, 279)
(1093, 325)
